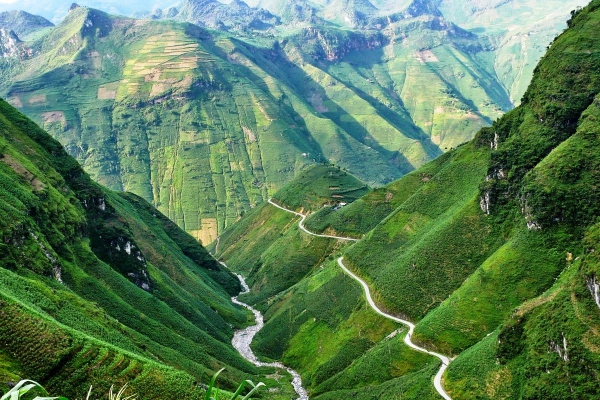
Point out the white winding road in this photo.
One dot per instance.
(301, 224)
(437, 382)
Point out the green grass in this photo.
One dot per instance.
(362, 215)
(316, 318)
(430, 252)
(416, 385)
(523, 267)
(433, 241)
(319, 186)
(267, 245)
(99, 284)
(483, 248)
(323, 327)
(527, 366)
(221, 123)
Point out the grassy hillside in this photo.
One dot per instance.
(318, 186)
(23, 23)
(267, 245)
(98, 288)
(433, 241)
(205, 126)
(538, 193)
(362, 215)
(547, 348)
(521, 32)
(491, 250)
(316, 318)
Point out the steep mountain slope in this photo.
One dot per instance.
(520, 30)
(198, 138)
(316, 318)
(233, 16)
(490, 249)
(222, 122)
(97, 287)
(193, 145)
(518, 201)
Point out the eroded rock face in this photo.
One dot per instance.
(10, 45)
(529, 213)
(124, 254)
(330, 46)
(560, 348)
(484, 202)
(594, 288)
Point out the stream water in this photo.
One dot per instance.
(243, 338)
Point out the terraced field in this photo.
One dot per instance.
(207, 125)
(491, 249)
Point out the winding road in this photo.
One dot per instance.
(301, 224)
(437, 382)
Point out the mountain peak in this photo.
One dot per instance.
(423, 7)
(237, 14)
(74, 6)
(23, 23)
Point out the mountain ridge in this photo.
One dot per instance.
(491, 249)
(102, 283)
(379, 100)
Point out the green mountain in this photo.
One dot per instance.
(207, 125)
(222, 123)
(99, 288)
(232, 16)
(491, 250)
(519, 32)
(23, 23)
(56, 10)
(316, 319)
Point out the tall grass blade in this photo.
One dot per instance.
(240, 388)
(89, 393)
(22, 388)
(212, 384)
(16, 389)
(118, 396)
(254, 389)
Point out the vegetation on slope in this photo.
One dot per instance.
(23, 23)
(268, 247)
(539, 192)
(558, 197)
(548, 346)
(99, 288)
(490, 248)
(318, 186)
(316, 318)
(433, 241)
(222, 123)
(362, 215)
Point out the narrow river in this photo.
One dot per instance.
(243, 338)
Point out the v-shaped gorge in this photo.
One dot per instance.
(491, 250)
(205, 125)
